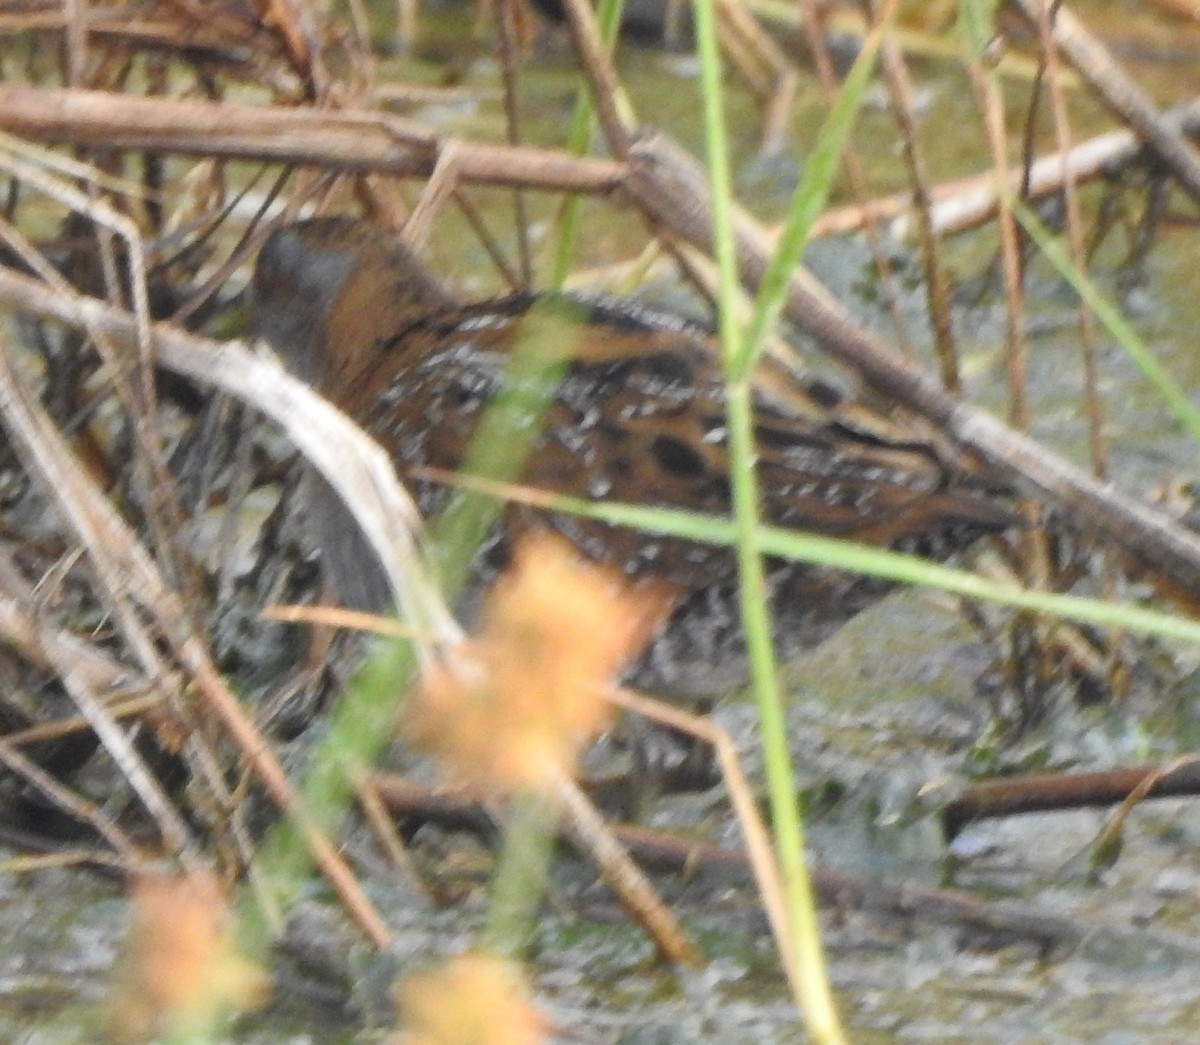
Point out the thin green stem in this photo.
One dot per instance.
(361, 726)
(579, 133)
(820, 169)
(875, 562)
(521, 874)
(808, 978)
(1112, 320)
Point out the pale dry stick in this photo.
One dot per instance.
(37, 442)
(21, 630)
(1088, 328)
(406, 22)
(737, 19)
(119, 27)
(25, 172)
(1068, 637)
(76, 39)
(415, 94)
(352, 463)
(12, 238)
(293, 22)
(48, 458)
(350, 141)
(988, 97)
(741, 56)
(491, 245)
(218, 801)
(438, 189)
(389, 838)
(1034, 550)
(340, 617)
(967, 203)
(326, 855)
(119, 706)
(506, 15)
(50, 648)
(748, 45)
(778, 111)
(613, 111)
(56, 20)
(761, 854)
(196, 750)
(623, 876)
(847, 20)
(27, 864)
(363, 61)
(242, 476)
(69, 167)
(1120, 93)
(134, 383)
(110, 734)
(1116, 820)
(672, 188)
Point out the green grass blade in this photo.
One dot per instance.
(808, 201)
(1115, 323)
(803, 954)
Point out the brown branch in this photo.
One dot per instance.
(669, 851)
(352, 141)
(1046, 792)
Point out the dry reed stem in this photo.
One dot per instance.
(966, 203)
(24, 630)
(335, 446)
(74, 805)
(1121, 94)
(627, 880)
(1038, 544)
(390, 842)
(353, 140)
(854, 173)
(124, 571)
(759, 847)
(608, 96)
(937, 280)
(842, 890)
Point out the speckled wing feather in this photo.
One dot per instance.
(639, 416)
